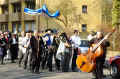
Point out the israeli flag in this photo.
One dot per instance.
(41, 10)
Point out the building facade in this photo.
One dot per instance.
(13, 18)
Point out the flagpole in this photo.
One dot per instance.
(39, 17)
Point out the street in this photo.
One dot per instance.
(12, 71)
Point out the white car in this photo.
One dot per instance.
(84, 46)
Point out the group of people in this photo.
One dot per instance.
(35, 51)
(8, 43)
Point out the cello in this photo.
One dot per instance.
(86, 62)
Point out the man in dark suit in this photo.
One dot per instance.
(36, 45)
(14, 47)
(3, 43)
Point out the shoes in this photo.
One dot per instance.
(50, 70)
(37, 72)
(13, 62)
(64, 70)
(19, 65)
(2, 63)
(24, 67)
(97, 78)
(74, 70)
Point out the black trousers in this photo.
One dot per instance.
(4, 54)
(44, 58)
(74, 59)
(65, 62)
(36, 59)
(33, 62)
(98, 72)
(57, 62)
(14, 52)
(37, 63)
(49, 60)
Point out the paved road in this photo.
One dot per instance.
(12, 71)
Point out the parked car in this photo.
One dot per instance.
(84, 46)
(114, 66)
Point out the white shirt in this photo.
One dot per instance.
(90, 37)
(76, 41)
(14, 41)
(51, 38)
(26, 42)
(21, 39)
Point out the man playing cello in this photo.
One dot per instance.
(98, 71)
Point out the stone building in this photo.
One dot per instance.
(13, 18)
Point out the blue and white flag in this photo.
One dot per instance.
(41, 10)
(32, 12)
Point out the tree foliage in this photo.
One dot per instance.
(67, 12)
(116, 12)
(116, 24)
(107, 12)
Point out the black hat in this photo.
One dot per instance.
(75, 31)
(49, 30)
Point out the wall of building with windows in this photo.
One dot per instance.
(29, 26)
(90, 12)
(13, 17)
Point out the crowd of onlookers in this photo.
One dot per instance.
(35, 50)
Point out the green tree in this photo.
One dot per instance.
(116, 23)
(116, 13)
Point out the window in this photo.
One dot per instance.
(6, 27)
(33, 26)
(29, 26)
(84, 27)
(19, 28)
(4, 9)
(30, 4)
(2, 27)
(84, 9)
(16, 7)
(14, 29)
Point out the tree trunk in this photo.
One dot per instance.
(115, 37)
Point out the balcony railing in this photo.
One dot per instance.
(14, 1)
(29, 17)
(15, 17)
(3, 17)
